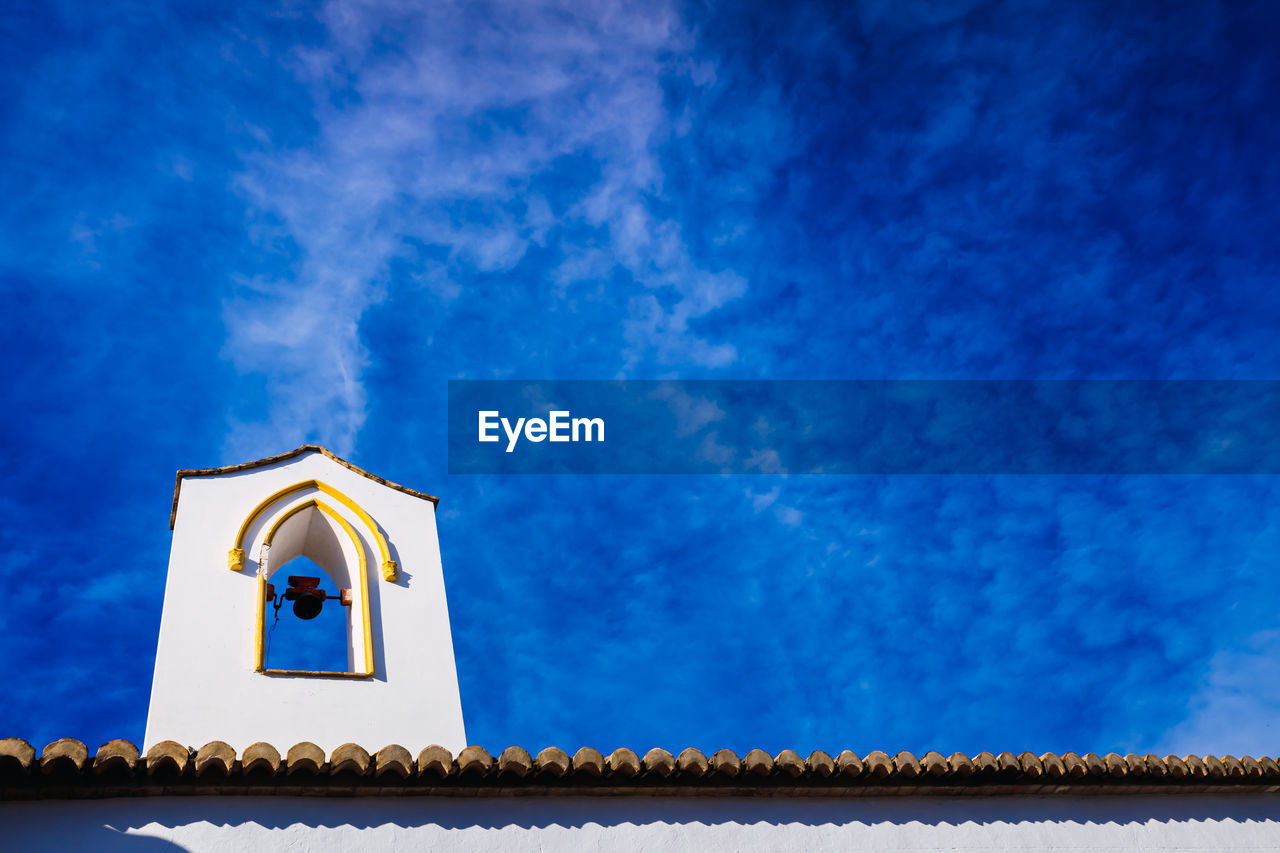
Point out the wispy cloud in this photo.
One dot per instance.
(441, 135)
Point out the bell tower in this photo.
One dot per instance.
(360, 551)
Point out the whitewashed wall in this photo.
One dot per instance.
(1109, 823)
(205, 688)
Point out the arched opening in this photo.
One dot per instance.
(319, 643)
(324, 569)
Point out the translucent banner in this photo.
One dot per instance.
(864, 427)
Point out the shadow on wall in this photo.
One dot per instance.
(142, 825)
(99, 837)
(110, 840)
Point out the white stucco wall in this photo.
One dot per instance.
(1108, 823)
(204, 686)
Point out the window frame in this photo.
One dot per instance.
(260, 612)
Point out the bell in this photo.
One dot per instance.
(307, 598)
(308, 604)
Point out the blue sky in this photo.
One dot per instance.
(226, 232)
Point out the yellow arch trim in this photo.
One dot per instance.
(260, 662)
(236, 556)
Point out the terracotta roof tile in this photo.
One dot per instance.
(515, 761)
(304, 757)
(215, 757)
(961, 764)
(65, 769)
(820, 764)
(436, 761)
(16, 755)
(789, 763)
(692, 763)
(116, 756)
(906, 764)
(554, 761)
(167, 757)
(474, 760)
(849, 764)
(1031, 765)
(65, 755)
(933, 763)
(623, 762)
(393, 760)
(879, 764)
(588, 760)
(725, 762)
(350, 758)
(659, 763)
(260, 757)
(1155, 765)
(759, 762)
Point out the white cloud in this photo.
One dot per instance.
(763, 500)
(790, 516)
(1237, 710)
(766, 461)
(691, 413)
(468, 104)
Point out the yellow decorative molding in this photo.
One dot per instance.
(316, 673)
(259, 657)
(384, 551)
(235, 559)
(389, 569)
(260, 662)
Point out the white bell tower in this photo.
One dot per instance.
(375, 541)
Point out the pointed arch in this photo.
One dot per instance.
(260, 663)
(236, 556)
